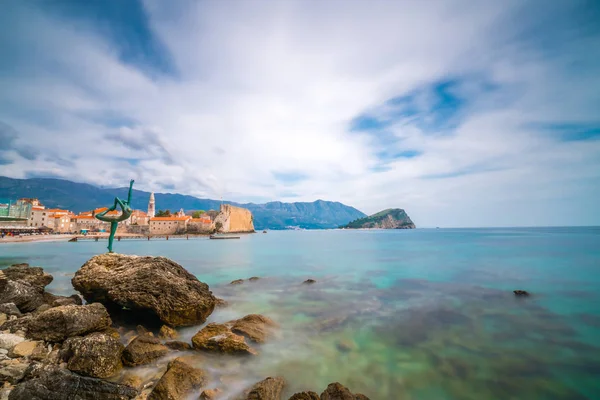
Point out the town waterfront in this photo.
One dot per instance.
(394, 314)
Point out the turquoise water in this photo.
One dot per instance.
(411, 314)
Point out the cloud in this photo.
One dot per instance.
(463, 113)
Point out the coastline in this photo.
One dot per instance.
(104, 236)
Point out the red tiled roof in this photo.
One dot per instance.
(170, 218)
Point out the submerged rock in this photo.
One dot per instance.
(53, 383)
(305, 396)
(132, 380)
(166, 332)
(253, 279)
(97, 355)
(59, 323)
(143, 349)
(210, 394)
(255, 327)
(267, 389)
(237, 282)
(337, 391)
(220, 302)
(179, 380)
(219, 338)
(155, 285)
(309, 282)
(178, 345)
(521, 293)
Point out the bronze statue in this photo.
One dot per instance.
(115, 219)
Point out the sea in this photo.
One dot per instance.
(394, 314)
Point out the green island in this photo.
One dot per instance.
(391, 218)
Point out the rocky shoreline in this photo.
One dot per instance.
(82, 346)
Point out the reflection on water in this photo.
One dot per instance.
(397, 315)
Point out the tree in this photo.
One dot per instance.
(197, 214)
(162, 213)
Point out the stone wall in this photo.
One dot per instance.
(234, 219)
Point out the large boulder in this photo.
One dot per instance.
(60, 323)
(10, 309)
(143, 349)
(179, 380)
(267, 389)
(97, 355)
(255, 327)
(35, 276)
(337, 391)
(150, 284)
(56, 301)
(219, 338)
(23, 294)
(12, 371)
(53, 383)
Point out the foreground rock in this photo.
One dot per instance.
(60, 323)
(143, 350)
(97, 355)
(150, 284)
(521, 293)
(53, 383)
(268, 389)
(12, 371)
(337, 391)
(255, 327)
(179, 380)
(23, 349)
(167, 332)
(24, 295)
(35, 276)
(10, 309)
(219, 338)
(210, 394)
(178, 345)
(9, 340)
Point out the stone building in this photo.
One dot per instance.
(169, 225)
(234, 219)
(151, 206)
(204, 224)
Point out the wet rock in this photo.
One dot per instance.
(12, 371)
(267, 389)
(9, 340)
(23, 349)
(56, 301)
(59, 323)
(336, 391)
(255, 327)
(10, 309)
(219, 338)
(132, 380)
(167, 332)
(24, 295)
(178, 345)
(254, 278)
(305, 396)
(237, 282)
(179, 380)
(210, 394)
(346, 345)
(112, 332)
(141, 330)
(53, 383)
(97, 355)
(143, 349)
(35, 276)
(521, 293)
(309, 282)
(154, 285)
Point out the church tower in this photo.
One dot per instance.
(151, 206)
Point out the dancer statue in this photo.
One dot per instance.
(115, 219)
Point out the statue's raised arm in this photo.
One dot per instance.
(115, 219)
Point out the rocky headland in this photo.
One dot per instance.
(84, 347)
(392, 218)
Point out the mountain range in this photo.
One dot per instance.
(77, 197)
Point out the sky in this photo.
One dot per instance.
(464, 113)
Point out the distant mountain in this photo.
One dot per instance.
(77, 197)
(392, 218)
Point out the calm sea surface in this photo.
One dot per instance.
(411, 314)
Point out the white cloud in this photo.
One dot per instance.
(268, 87)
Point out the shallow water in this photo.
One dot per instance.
(411, 314)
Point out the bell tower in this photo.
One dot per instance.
(151, 206)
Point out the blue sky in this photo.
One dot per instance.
(465, 113)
